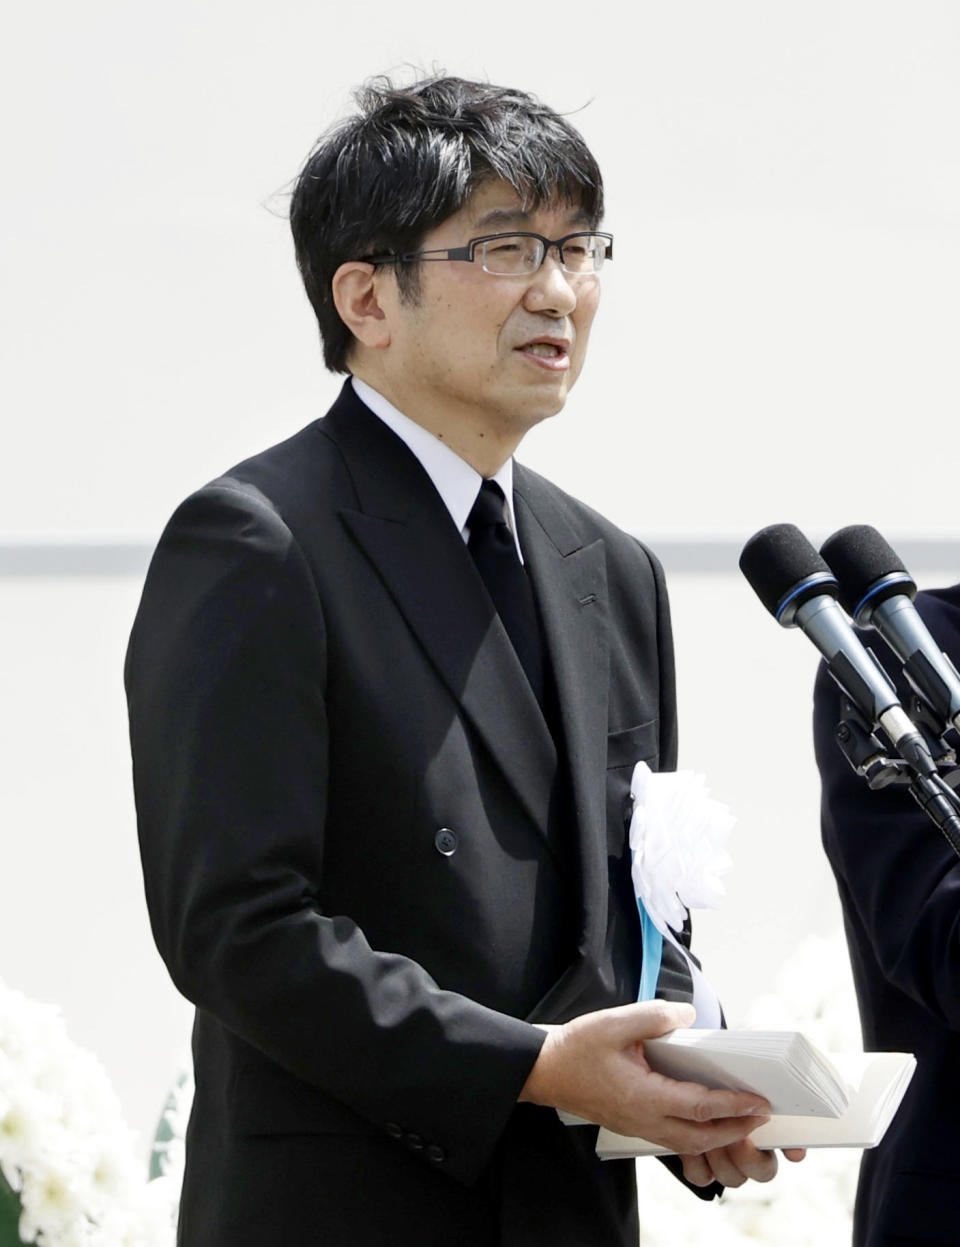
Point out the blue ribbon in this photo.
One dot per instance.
(652, 955)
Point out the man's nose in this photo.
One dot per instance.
(551, 288)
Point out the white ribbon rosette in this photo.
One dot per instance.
(678, 834)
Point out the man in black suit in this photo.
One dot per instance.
(899, 883)
(382, 775)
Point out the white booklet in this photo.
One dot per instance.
(870, 1086)
(783, 1066)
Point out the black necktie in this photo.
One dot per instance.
(494, 552)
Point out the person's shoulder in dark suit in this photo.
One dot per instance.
(899, 886)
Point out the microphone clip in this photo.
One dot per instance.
(864, 751)
(870, 759)
(934, 794)
(941, 737)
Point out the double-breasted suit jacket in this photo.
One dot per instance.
(369, 862)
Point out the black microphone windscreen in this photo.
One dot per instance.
(859, 557)
(776, 559)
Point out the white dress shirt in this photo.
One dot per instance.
(457, 483)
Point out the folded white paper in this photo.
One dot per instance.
(783, 1066)
(878, 1081)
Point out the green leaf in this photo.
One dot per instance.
(9, 1215)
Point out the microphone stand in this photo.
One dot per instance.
(869, 757)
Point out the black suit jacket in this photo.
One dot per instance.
(899, 885)
(363, 860)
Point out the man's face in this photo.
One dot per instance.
(500, 353)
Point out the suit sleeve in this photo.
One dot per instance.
(896, 872)
(226, 677)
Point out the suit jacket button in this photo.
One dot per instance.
(436, 1154)
(393, 1130)
(445, 842)
(413, 1141)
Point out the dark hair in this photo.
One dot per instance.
(411, 157)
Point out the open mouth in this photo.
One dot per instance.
(546, 354)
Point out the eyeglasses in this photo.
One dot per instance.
(517, 255)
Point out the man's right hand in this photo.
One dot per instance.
(594, 1066)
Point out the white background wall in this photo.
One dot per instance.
(779, 330)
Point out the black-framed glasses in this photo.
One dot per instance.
(519, 254)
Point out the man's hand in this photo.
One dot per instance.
(594, 1066)
(734, 1165)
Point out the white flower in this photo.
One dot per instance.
(677, 837)
(64, 1147)
(22, 1121)
(11, 1175)
(114, 1172)
(50, 1201)
(79, 1233)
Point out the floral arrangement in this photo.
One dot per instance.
(806, 1205)
(69, 1172)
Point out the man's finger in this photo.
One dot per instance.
(648, 1019)
(720, 1165)
(741, 1161)
(696, 1170)
(688, 1139)
(694, 1102)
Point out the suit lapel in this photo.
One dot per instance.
(571, 587)
(404, 529)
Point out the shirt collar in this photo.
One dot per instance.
(457, 483)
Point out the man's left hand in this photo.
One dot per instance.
(734, 1165)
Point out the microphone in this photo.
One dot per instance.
(877, 591)
(799, 590)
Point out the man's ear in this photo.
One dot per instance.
(355, 290)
